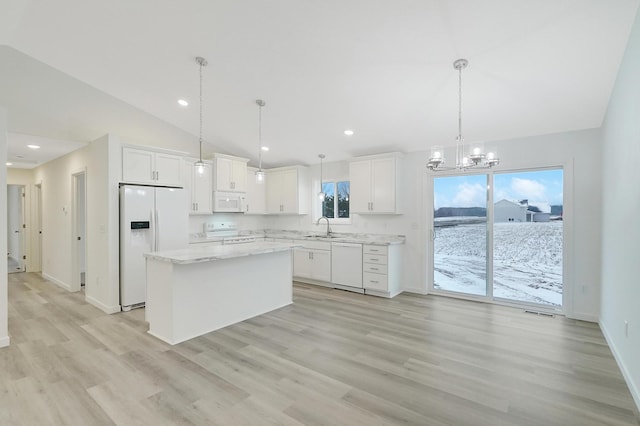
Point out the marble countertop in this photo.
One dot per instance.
(210, 253)
(338, 237)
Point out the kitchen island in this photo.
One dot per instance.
(193, 291)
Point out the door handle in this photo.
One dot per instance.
(79, 238)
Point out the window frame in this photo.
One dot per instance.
(317, 208)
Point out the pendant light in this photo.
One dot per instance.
(321, 194)
(199, 165)
(476, 157)
(259, 173)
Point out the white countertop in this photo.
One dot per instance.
(336, 237)
(210, 253)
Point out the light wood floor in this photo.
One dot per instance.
(332, 358)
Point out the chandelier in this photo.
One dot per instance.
(475, 158)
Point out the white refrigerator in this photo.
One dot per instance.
(151, 219)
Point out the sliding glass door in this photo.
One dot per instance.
(460, 234)
(528, 237)
(499, 237)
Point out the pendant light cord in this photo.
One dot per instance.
(459, 153)
(202, 63)
(259, 137)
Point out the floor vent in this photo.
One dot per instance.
(542, 314)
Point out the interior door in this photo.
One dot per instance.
(15, 228)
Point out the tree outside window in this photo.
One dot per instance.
(336, 202)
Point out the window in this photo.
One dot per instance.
(336, 202)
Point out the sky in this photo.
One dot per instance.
(471, 190)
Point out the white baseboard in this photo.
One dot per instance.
(582, 317)
(104, 308)
(56, 281)
(633, 387)
(4, 341)
(414, 290)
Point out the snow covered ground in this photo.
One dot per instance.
(527, 260)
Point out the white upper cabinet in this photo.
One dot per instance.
(151, 167)
(198, 186)
(375, 184)
(287, 190)
(255, 201)
(230, 173)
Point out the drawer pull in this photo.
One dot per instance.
(373, 269)
(374, 281)
(375, 260)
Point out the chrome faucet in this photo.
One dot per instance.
(328, 228)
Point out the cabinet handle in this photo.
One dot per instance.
(373, 269)
(197, 206)
(374, 281)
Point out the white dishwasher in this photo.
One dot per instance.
(346, 264)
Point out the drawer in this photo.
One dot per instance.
(314, 245)
(374, 281)
(374, 258)
(375, 268)
(370, 249)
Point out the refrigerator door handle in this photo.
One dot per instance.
(157, 233)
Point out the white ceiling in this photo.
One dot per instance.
(21, 156)
(382, 68)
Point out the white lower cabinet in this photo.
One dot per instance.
(381, 270)
(312, 261)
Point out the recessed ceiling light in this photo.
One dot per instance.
(182, 102)
(265, 148)
(348, 132)
(8, 163)
(33, 146)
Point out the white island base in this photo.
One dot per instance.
(186, 300)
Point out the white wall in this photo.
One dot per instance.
(58, 238)
(620, 226)
(4, 329)
(57, 227)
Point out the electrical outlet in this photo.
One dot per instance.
(626, 328)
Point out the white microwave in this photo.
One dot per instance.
(228, 202)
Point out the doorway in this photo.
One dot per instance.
(36, 236)
(16, 227)
(79, 220)
(499, 237)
